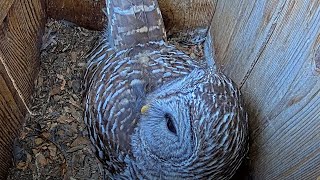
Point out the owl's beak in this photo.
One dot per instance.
(144, 109)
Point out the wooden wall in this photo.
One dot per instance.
(176, 13)
(86, 13)
(271, 49)
(21, 25)
(185, 15)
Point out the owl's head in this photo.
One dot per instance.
(193, 127)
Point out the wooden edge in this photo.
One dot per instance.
(9, 85)
(20, 39)
(5, 6)
(178, 15)
(271, 49)
(11, 116)
(186, 16)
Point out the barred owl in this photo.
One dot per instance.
(152, 111)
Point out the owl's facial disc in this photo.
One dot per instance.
(164, 130)
(167, 117)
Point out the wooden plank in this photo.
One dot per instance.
(20, 35)
(10, 119)
(186, 15)
(5, 5)
(272, 50)
(86, 13)
(179, 15)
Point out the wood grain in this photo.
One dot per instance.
(20, 35)
(86, 13)
(5, 6)
(270, 48)
(10, 119)
(179, 15)
(186, 15)
(20, 43)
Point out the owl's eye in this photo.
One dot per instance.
(170, 124)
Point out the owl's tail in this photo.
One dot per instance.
(132, 22)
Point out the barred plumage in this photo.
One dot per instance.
(194, 125)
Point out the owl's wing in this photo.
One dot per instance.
(102, 52)
(117, 88)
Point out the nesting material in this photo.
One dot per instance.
(54, 143)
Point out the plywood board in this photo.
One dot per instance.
(10, 120)
(185, 15)
(271, 50)
(86, 13)
(20, 40)
(5, 6)
(178, 15)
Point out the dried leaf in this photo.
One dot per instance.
(29, 158)
(65, 48)
(74, 128)
(65, 119)
(38, 141)
(80, 141)
(57, 98)
(55, 90)
(67, 109)
(82, 64)
(64, 82)
(35, 151)
(76, 148)
(46, 134)
(60, 76)
(44, 147)
(41, 160)
(40, 81)
(23, 135)
(52, 150)
(64, 167)
(52, 125)
(75, 103)
(76, 86)
(61, 133)
(22, 165)
(73, 56)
